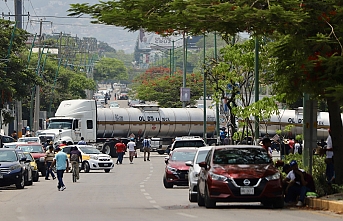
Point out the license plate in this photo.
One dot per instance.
(1, 176)
(247, 191)
(105, 165)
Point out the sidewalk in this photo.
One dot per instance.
(333, 203)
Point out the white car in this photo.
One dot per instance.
(29, 139)
(193, 172)
(114, 105)
(92, 158)
(12, 144)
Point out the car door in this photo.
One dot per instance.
(204, 173)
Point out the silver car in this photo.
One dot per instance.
(194, 170)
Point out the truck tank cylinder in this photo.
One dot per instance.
(163, 122)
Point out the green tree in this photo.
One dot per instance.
(157, 85)
(307, 37)
(110, 69)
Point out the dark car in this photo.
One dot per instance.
(239, 173)
(28, 178)
(37, 151)
(176, 171)
(6, 139)
(12, 168)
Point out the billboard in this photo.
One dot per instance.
(151, 41)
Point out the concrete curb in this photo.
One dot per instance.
(333, 203)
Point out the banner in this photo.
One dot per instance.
(151, 41)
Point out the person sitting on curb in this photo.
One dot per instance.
(299, 183)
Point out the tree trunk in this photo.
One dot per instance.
(336, 136)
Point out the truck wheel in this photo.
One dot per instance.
(106, 149)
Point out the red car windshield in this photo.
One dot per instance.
(182, 156)
(241, 156)
(32, 149)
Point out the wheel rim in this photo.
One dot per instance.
(107, 149)
(22, 182)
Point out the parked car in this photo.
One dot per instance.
(92, 158)
(176, 171)
(12, 168)
(6, 139)
(28, 178)
(188, 141)
(239, 173)
(12, 144)
(34, 167)
(193, 172)
(38, 152)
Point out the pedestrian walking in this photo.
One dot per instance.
(49, 158)
(120, 148)
(131, 146)
(75, 155)
(62, 164)
(146, 147)
(330, 171)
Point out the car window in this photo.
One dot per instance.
(31, 148)
(202, 156)
(66, 150)
(29, 139)
(90, 150)
(8, 156)
(241, 156)
(29, 157)
(182, 156)
(189, 143)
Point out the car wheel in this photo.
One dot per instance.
(35, 177)
(21, 183)
(267, 203)
(166, 184)
(278, 203)
(161, 152)
(86, 167)
(192, 197)
(43, 171)
(107, 170)
(200, 199)
(208, 202)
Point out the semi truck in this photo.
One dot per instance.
(104, 127)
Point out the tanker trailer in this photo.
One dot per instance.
(103, 127)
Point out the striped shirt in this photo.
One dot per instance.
(49, 156)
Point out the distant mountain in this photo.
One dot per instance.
(54, 15)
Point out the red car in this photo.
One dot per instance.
(239, 173)
(37, 151)
(176, 171)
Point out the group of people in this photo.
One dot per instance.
(54, 157)
(131, 146)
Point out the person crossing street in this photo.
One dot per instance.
(146, 147)
(62, 164)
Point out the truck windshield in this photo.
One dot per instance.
(60, 124)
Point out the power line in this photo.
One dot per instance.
(9, 10)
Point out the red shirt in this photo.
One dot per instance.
(120, 147)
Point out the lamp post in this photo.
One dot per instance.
(205, 95)
(184, 44)
(217, 104)
(257, 132)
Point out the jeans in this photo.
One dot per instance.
(75, 166)
(120, 157)
(296, 190)
(60, 178)
(329, 171)
(49, 171)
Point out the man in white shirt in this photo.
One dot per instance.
(131, 146)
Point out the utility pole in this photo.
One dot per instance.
(19, 112)
(37, 99)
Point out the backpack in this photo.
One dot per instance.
(74, 157)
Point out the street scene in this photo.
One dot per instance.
(130, 192)
(171, 110)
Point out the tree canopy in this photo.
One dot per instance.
(110, 69)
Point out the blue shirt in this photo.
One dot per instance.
(61, 160)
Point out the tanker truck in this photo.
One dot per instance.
(103, 127)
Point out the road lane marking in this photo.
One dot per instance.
(141, 185)
(152, 201)
(142, 190)
(148, 197)
(151, 171)
(187, 215)
(147, 194)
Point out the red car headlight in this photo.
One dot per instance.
(276, 176)
(218, 177)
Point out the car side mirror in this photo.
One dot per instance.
(189, 163)
(166, 159)
(203, 165)
(23, 159)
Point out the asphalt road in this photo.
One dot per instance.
(130, 192)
